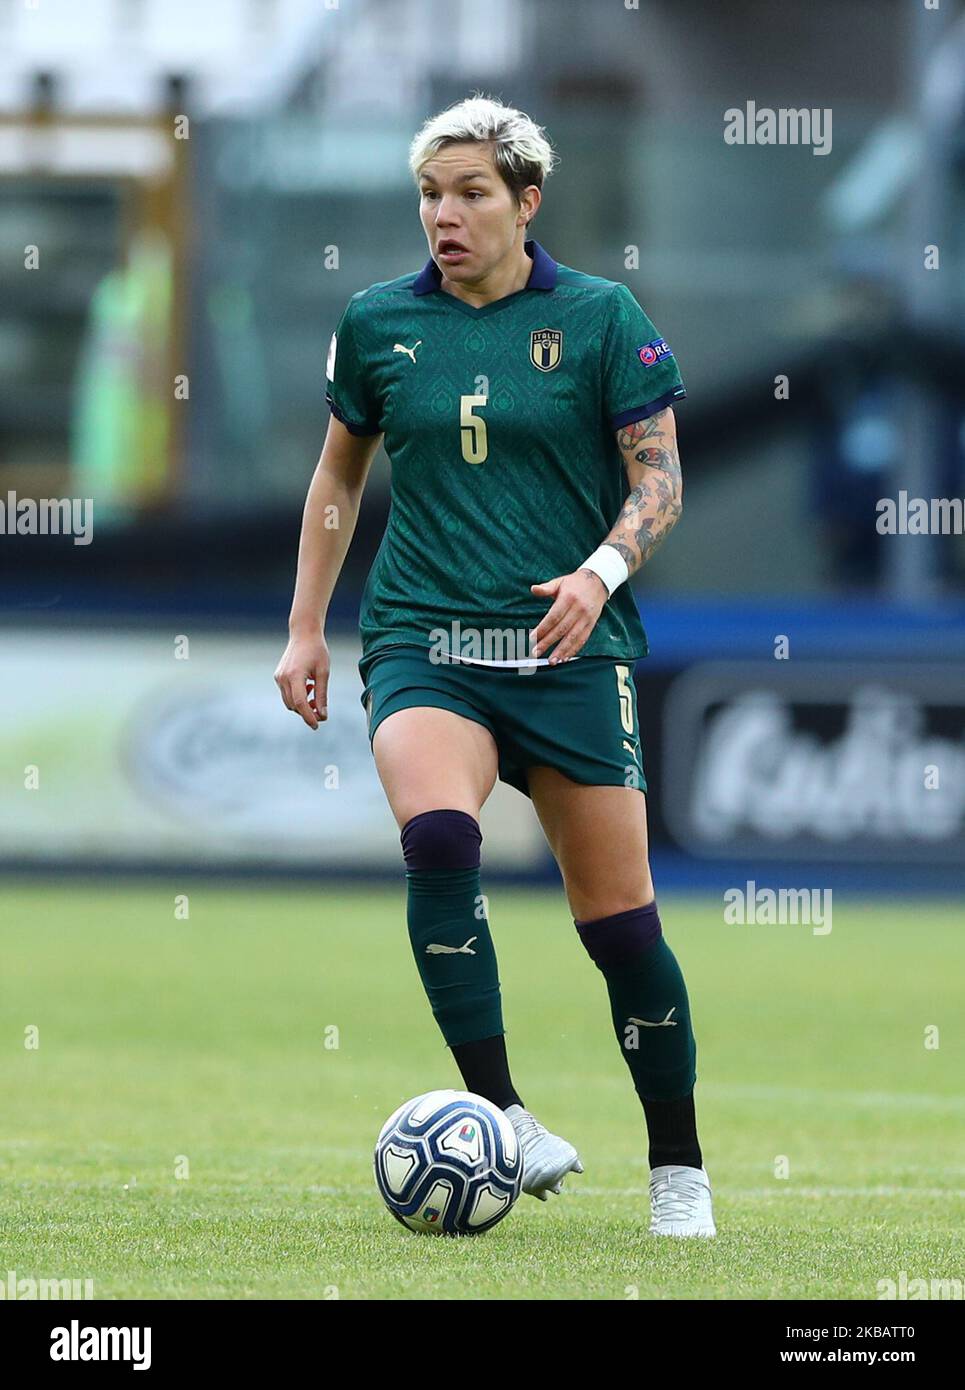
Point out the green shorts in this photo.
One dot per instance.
(580, 717)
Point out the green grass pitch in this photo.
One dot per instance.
(187, 1129)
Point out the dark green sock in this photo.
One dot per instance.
(448, 928)
(454, 952)
(648, 1001)
(647, 991)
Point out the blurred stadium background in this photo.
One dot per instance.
(188, 197)
(189, 194)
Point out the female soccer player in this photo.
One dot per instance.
(526, 411)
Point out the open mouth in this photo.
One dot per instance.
(450, 250)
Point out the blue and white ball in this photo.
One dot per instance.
(448, 1163)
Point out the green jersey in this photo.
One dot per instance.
(500, 426)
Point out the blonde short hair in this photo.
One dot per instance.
(520, 150)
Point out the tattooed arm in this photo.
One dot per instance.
(655, 501)
(650, 512)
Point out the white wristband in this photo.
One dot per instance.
(609, 564)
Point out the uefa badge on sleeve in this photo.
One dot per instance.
(654, 352)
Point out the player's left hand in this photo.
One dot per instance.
(578, 603)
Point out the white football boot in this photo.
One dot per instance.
(680, 1202)
(546, 1157)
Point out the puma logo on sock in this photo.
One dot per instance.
(667, 1022)
(433, 949)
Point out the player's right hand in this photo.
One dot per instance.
(302, 677)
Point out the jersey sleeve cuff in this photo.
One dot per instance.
(643, 412)
(350, 425)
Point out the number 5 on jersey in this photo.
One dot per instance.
(472, 429)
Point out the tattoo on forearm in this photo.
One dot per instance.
(625, 551)
(654, 504)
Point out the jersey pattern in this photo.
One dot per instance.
(499, 423)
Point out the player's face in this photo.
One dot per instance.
(469, 215)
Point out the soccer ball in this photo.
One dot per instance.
(449, 1163)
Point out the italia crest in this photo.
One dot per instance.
(546, 348)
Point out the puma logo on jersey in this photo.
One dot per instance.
(645, 1022)
(629, 747)
(433, 949)
(401, 347)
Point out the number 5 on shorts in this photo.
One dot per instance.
(625, 692)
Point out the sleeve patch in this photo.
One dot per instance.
(652, 353)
